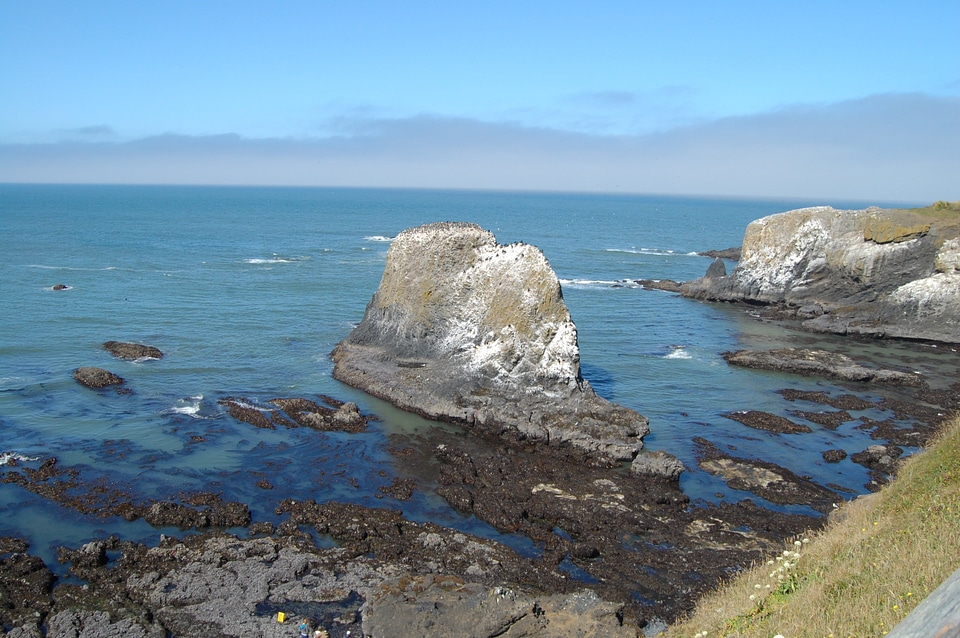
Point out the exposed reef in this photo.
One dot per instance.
(808, 361)
(132, 351)
(466, 330)
(298, 411)
(96, 378)
(884, 273)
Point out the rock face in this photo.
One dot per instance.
(466, 330)
(871, 272)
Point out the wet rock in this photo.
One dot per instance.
(808, 361)
(346, 418)
(601, 525)
(167, 514)
(132, 351)
(67, 487)
(732, 254)
(766, 421)
(343, 417)
(833, 456)
(881, 460)
(466, 330)
(716, 270)
(659, 463)
(98, 624)
(25, 587)
(827, 419)
(841, 402)
(96, 377)
(61, 287)
(667, 285)
(878, 457)
(444, 606)
(770, 481)
(244, 412)
(400, 489)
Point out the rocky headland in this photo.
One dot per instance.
(466, 330)
(873, 272)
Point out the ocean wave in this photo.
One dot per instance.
(7, 457)
(378, 238)
(654, 252)
(276, 259)
(599, 283)
(71, 268)
(189, 406)
(678, 352)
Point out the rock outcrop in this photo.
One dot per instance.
(466, 330)
(872, 272)
(132, 351)
(96, 377)
(808, 361)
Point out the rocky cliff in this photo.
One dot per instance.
(467, 330)
(873, 272)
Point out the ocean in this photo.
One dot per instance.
(247, 290)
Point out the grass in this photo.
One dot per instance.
(941, 210)
(876, 559)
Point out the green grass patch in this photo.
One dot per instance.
(876, 559)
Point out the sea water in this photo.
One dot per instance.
(247, 290)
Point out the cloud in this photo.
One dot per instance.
(100, 131)
(897, 147)
(607, 98)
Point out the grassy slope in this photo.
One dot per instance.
(878, 557)
(942, 214)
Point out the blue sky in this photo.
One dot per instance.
(834, 99)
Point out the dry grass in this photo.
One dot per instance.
(943, 211)
(874, 562)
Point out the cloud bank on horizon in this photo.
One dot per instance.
(858, 102)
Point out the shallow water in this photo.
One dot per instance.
(247, 290)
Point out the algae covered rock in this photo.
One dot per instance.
(467, 330)
(96, 377)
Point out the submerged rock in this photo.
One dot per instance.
(96, 377)
(767, 480)
(875, 272)
(808, 361)
(342, 417)
(466, 330)
(132, 351)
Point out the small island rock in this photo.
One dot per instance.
(466, 330)
(132, 351)
(96, 377)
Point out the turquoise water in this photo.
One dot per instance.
(247, 290)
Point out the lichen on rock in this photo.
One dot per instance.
(467, 330)
(886, 273)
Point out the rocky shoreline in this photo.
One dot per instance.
(624, 550)
(614, 547)
(871, 272)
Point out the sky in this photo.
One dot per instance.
(839, 99)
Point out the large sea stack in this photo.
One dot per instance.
(466, 330)
(884, 273)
